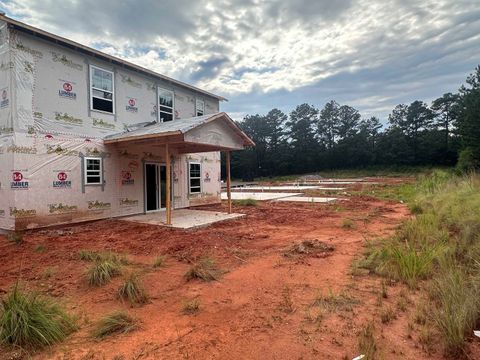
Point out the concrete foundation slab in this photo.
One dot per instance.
(183, 218)
(308, 199)
(262, 196)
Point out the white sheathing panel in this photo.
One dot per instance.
(45, 131)
(215, 133)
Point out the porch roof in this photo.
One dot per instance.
(197, 134)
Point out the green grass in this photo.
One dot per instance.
(204, 269)
(39, 248)
(332, 302)
(101, 272)
(15, 237)
(439, 250)
(31, 321)
(132, 290)
(91, 255)
(159, 261)
(245, 202)
(117, 322)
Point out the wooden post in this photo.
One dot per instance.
(229, 193)
(168, 186)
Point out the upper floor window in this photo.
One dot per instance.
(200, 107)
(101, 90)
(165, 104)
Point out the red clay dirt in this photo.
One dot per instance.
(261, 308)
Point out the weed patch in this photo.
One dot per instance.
(159, 261)
(29, 320)
(204, 269)
(366, 342)
(101, 272)
(335, 302)
(315, 248)
(191, 307)
(132, 290)
(118, 322)
(245, 202)
(15, 237)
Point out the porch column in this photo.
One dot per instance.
(229, 193)
(168, 191)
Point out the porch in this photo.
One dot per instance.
(209, 133)
(183, 218)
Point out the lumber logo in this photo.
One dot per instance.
(51, 149)
(2, 213)
(62, 208)
(128, 202)
(127, 178)
(4, 102)
(133, 165)
(153, 113)
(20, 213)
(131, 105)
(64, 117)
(67, 91)
(18, 182)
(102, 124)
(62, 182)
(126, 154)
(207, 177)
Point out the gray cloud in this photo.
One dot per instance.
(372, 54)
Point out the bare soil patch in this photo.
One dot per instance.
(264, 305)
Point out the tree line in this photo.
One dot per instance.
(445, 132)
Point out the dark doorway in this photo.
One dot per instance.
(151, 187)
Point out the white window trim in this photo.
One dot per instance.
(112, 92)
(189, 178)
(196, 106)
(158, 102)
(85, 171)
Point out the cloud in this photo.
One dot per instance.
(261, 54)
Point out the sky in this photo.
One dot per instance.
(370, 54)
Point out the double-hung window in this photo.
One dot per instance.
(200, 107)
(101, 90)
(93, 171)
(165, 105)
(194, 178)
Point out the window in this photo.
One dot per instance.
(194, 178)
(101, 90)
(93, 171)
(200, 107)
(165, 105)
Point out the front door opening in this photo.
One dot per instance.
(155, 189)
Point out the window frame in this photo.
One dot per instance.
(91, 67)
(196, 106)
(199, 177)
(159, 118)
(85, 171)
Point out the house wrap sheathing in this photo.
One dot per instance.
(47, 128)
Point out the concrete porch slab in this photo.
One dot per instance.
(261, 196)
(183, 218)
(308, 199)
(288, 188)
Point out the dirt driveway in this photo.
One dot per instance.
(266, 305)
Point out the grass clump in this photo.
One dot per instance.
(366, 342)
(101, 272)
(117, 322)
(31, 321)
(15, 237)
(98, 256)
(159, 261)
(333, 302)
(204, 269)
(39, 248)
(132, 290)
(191, 307)
(348, 224)
(245, 202)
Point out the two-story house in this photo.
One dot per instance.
(85, 135)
